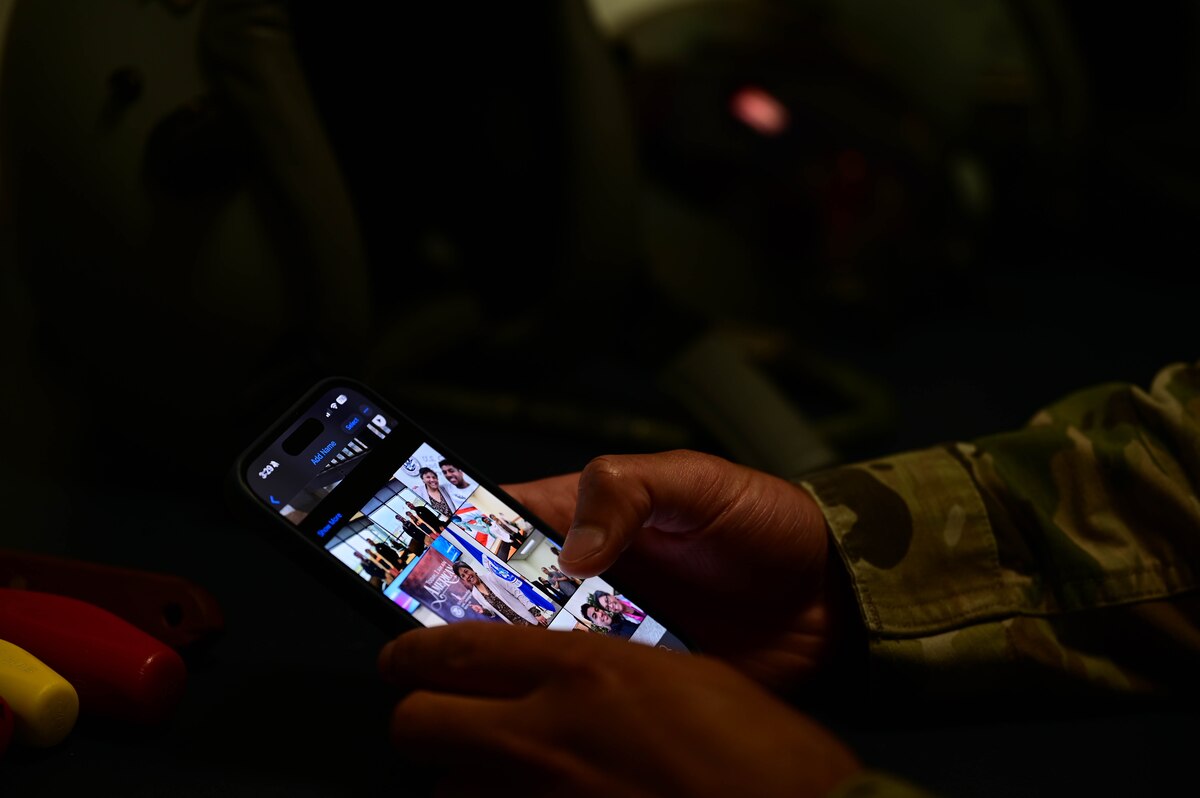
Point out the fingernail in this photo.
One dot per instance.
(582, 542)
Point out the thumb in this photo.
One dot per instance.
(619, 495)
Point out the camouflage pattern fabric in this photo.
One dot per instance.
(1063, 554)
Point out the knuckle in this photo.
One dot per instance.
(594, 666)
(461, 652)
(578, 660)
(606, 466)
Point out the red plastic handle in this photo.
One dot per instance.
(173, 609)
(118, 670)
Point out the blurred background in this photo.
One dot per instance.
(790, 232)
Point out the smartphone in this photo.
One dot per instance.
(409, 531)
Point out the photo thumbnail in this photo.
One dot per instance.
(458, 580)
(410, 512)
(549, 579)
(496, 527)
(597, 607)
(433, 583)
(436, 480)
(370, 551)
(393, 512)
(604, 611)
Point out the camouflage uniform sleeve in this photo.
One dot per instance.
(1062, 554)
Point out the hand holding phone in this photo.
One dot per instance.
(738, 559)
(592, 716)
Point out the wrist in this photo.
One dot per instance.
(847, 655)
(843, 654)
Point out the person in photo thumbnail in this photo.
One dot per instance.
(419, 526)
(481, 613)
(416, 546)
(516, 536)
(504, 551)
(372, 569)
(390, 569)
(508, 536)
(495, 530)
(411, 526)
(618, 605)
(610, 623)
(428, 517)
(501, 596)
(431, 491)
(456, 487)
(550, 590)
(455, 476)
(561, 582)
(392, 557)
(556, 573)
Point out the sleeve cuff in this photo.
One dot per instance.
(916, 540)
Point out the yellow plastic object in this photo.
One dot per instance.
(44, 704)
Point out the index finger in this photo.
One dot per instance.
(619, 495)
(551, 499)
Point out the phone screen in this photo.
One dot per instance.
(392, 506)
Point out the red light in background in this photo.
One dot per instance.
(759, 111)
